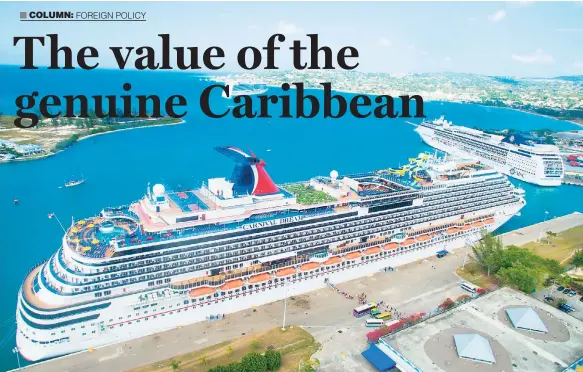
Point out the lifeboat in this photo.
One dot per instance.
(201, 291)
(466, 227)
(309, 266)
(259, 278)
(452, 230)
(372, 250)
(477, 224)
(352, 255)
(489, 221)
(232, 284)
(390, 246)
(286, 271)
(423, 238)
(332, 261)
(407, 242)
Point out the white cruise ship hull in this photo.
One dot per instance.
(122, 323)
(536, 177)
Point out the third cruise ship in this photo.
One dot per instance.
(512, 155)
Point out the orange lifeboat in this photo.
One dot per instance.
(332, 261)
(232, 284)
(352, 255)
(390, 246)
(423, 238)
(477, 224)
(489, 221)
(286, 271)
(407, 242)
(372, 250)
(259, 278)
(309, 266)
(452, 230)
(466, 227)
(201, 291)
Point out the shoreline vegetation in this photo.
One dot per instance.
(56, 135)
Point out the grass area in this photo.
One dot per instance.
(306, 194)
(473, 273)
(559, 247)
(295, 344)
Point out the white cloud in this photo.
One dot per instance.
(384, 42)
(447, 59)
(538, 57)
(253, 27)
(288, 28)
(578, 65)
(497, 16)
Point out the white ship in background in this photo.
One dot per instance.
(176, 258)
(513, 155)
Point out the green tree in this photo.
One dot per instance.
(255, 345)
(175, 364)
(273, 359)
(254, 362)
(550, 235)
(577, 258)
(219, 369)
(488, 253)
(520, 277)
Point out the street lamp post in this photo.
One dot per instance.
(542, 226)
(16, 351)
(285, 306)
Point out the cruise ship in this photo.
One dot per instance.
(175, 258)
(512, 155)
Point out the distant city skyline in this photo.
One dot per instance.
(525, 39)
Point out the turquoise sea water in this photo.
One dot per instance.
(119, 165)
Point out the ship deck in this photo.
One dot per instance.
(28, 294)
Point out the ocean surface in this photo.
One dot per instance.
(118, 166)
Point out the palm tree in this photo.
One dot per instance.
(488, 251)
(203, 360)
(175, 364)
(550, 235)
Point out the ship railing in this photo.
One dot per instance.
(218, 280)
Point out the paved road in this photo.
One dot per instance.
(412, 288)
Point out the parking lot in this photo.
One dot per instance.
(573, 301)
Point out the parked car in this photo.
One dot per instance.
(567, 290)
(561, 288)
(552, 299)
(566, 308)
(581, 299)
(572, 293)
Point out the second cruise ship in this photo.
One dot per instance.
(512, 155)
(175, 258)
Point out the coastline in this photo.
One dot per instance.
(81, 138)
(580, 124)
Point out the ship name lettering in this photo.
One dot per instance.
(281, 221)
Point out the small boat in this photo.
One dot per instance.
(77, 182)
(16, 201)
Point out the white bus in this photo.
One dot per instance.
(469, 287)
(374, 323)
(363, 309)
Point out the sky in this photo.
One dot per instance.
(526, 39)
